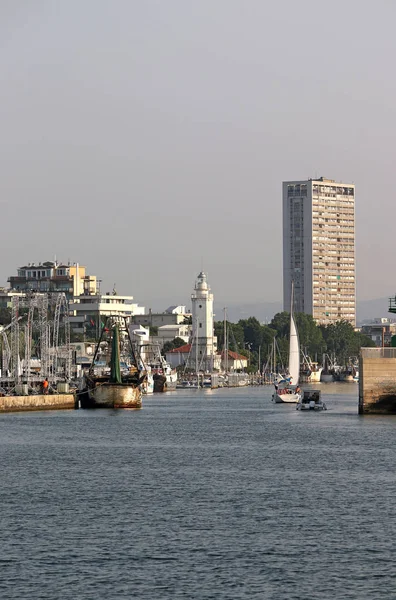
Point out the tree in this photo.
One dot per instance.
(310, 335)
(5, 315)
(281, 324)
(343, 341)
(235, 334)
(175, 343)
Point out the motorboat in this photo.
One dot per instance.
(311, 400)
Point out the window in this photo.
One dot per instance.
(200, 325)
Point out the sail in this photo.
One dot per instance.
(115, 373)
(294, 352)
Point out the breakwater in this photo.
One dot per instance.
(377, 381)
(37, 402)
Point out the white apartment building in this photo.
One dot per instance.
(319, 249)
(90, 311)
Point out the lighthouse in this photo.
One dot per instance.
(203, 341)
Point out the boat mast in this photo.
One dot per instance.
(196, 348)
(225, 341)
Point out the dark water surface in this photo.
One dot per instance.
(207, 495)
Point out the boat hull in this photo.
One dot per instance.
(164, 383)
(312, 405)
(147, 386)
(347, 378)
(327, 377)
(115, 396)
(285, 398)
(313, 377)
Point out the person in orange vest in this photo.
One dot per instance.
(45, 385)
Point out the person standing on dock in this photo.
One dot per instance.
(45, 386)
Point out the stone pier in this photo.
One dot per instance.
(377, 381)
(38, 402)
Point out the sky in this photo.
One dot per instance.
(148, 140)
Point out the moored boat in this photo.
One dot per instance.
(112, 387)
(287, 389)
(164, 377)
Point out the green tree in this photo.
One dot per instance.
(235, 335)
(175, 343)
(5, 315)
(343, 341)
(281, 324)
(310, 335)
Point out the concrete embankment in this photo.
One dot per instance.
(377, 381)
(38, 402)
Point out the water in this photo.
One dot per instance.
(200, 495)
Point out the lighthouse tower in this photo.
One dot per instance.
(203, 341)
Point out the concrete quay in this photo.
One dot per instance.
(37, 402)
(377, 381)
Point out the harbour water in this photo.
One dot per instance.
(199, 495)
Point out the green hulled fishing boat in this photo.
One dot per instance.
(116, 382)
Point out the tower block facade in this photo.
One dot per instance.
(203, 341)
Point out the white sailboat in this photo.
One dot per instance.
(286, 388)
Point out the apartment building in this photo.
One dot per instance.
(319, 249)
(54, 277)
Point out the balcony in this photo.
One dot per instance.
(392, 305)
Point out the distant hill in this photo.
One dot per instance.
(367, 310)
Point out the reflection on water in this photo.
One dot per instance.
(201, 494)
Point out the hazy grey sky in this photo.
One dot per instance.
(147, 139)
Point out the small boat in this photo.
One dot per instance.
(311, 400)
(287, 389)
(113, 387)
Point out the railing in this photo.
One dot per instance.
(378, 352)
(392, 305)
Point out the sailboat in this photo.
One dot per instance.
(113, 385)
(286, 387)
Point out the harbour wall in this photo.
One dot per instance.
(38, 402)
(377, 381)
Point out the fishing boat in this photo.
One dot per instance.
(327, 375)
(110, 385)
(350, 372)
(287, 389)
(164, 377)
(310, 371)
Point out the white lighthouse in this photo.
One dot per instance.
(203, 341)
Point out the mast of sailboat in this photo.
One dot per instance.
(259, 360)
(196, 349)
(225, 341)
